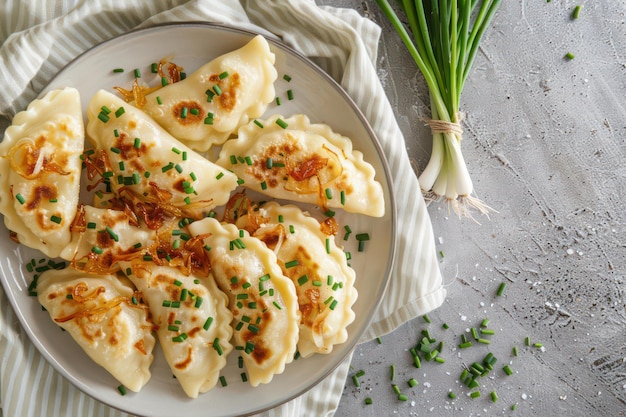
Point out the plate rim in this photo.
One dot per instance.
(392, 254)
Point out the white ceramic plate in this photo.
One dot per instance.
(316, 95)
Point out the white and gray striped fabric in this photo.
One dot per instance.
(39, 37)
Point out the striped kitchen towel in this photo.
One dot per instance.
(39, 37)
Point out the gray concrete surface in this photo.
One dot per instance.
(545, 143)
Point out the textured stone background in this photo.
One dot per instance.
(545, 143)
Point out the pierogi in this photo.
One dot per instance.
(193, 322)
(262, 299)
(292, 159)
(318, 268)
(106, 317)
(40, 170)
(140, 160)
(210, 104)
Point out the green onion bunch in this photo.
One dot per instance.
(442, 37)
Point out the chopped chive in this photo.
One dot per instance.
(289, 95)
(137, 73)
(178, 283)
(259, 124)
(233, 160)
(20, 198)
(248, 160)
(278, 101)
(292, 230)
(163, 81)
(223, 381)
(281, 123)
(194, 111)
(217, 346)
(121, 389)
(329, 193)
(56, 219)
(451, 395)
(303, 280)
(91, 225)
(286, 78)
(223, 75)
(412, 382)
(569, 56)
(136, 178)
(368, 400)
(483, 341)
(158, 100)
(475, 394)
(154, 68)
(403, 397)
(327, 245)
(119, 112)
(217, 90)
(112, 233)
(445, 326)
(342, 197)
(198, 302)
(183, 113)
(96, 250)
(576, 12)
(494, 396)
(264, 185)
(118, 69)
(474, 332)
(425, 316)
(507, 370)
(514, 350)
(501, 289)
(103, 117)
(137, 143)
(291, 264)
(538, 345)
(527, 341)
